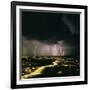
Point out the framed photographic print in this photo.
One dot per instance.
(49, 44)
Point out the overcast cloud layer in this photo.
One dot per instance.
(50, 34)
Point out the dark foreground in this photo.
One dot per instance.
(49, 66)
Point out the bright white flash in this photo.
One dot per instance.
(37, 48)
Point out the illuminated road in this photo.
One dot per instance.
(39, 70)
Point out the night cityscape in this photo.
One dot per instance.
(50, 44)
(49, 66)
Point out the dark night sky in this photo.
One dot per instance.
(49, 28)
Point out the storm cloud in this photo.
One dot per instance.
(45, 33)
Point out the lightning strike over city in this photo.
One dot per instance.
(50, 44)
